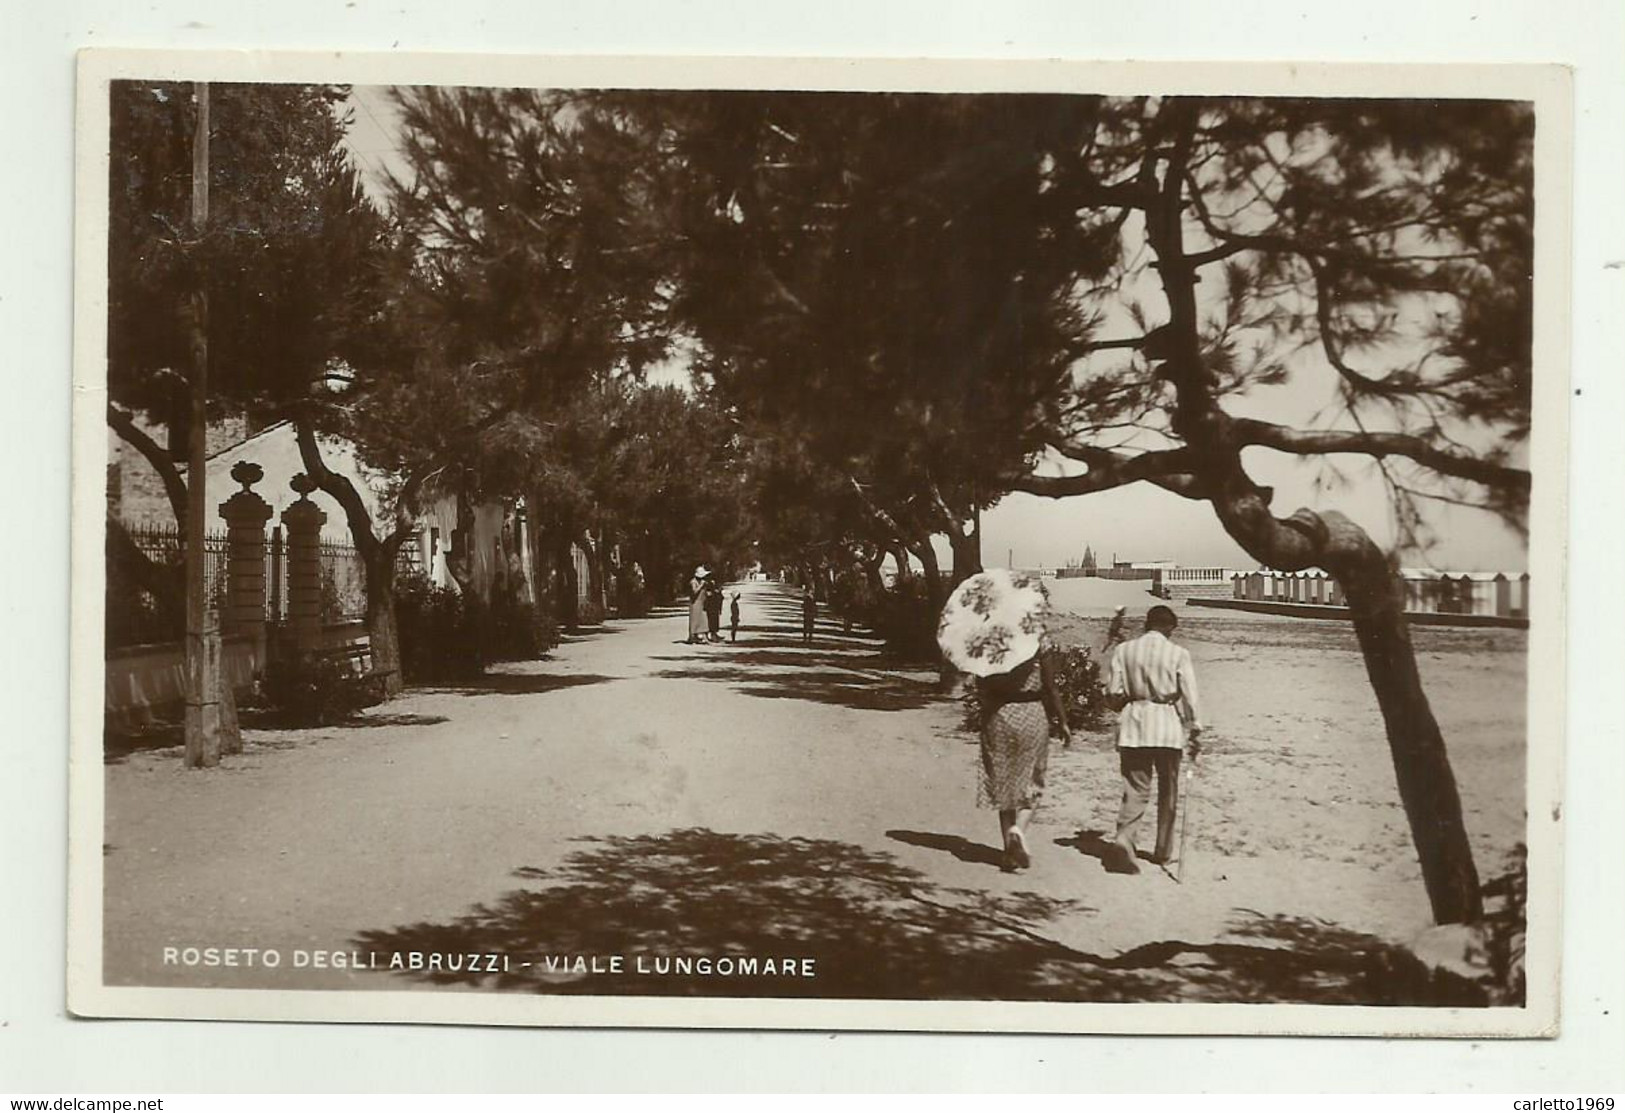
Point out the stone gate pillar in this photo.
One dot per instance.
(246, 514)
(304, 521)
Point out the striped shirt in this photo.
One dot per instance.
(1158, 682)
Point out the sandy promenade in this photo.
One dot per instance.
(634, 796)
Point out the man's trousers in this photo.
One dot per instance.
(1139, 764)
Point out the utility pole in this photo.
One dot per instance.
(202, 624)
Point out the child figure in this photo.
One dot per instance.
(809, 613)
(733, 618)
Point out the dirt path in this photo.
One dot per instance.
(640, 797)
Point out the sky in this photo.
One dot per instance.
(1140, 522)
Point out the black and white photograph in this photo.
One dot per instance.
(768, 544)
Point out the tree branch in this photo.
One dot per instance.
(880, 515)
(338, 488)
(1171, 469)
(163, 581)
(1306, 442)
(123, 423)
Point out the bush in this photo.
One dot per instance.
(1083, 692)
(441, 642)
(437, 641)
(1077, 676)
(135, 618)
(517, 633)
(631, 596)
(311, 690)
(1505, 925)
(854, 597)
(905, 618)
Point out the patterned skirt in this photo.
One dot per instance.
(1015, 754)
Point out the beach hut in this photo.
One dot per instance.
(1423, 590)
(1334, 593)
(1317, 589)
(1482, 593)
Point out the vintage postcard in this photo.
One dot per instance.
(1053, 547)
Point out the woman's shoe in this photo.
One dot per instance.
(1018, 851)
(1016, 857)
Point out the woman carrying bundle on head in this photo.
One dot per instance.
(995, 628)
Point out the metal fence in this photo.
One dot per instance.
(164, 543)
(344, 580)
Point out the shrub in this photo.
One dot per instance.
(631, 596)
(437, 640)
(905, 618)
(332, 605)
(517, 633)
(313, 690)
(135, 618)
(441, 641)
(854, 598)
(1077, 676)
(1505, 926)
(1083, 692)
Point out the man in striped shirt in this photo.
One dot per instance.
(1153, 684)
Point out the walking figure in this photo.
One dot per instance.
(733, 618)
(713, 609)
(1153, 685)
(1118, 631)
(994, 627)
(809, 612)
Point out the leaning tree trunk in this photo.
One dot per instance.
(377, 558)
(383, 629)
(567, 595)
(1375, 596)
(543, 590)
(967, 553)
(899, 555)
(947, 675)
(932, 572)
(872, 576)
(460, 562)
(658, 571)
(597, 596)
(1427, 785)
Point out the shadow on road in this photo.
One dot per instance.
(770, 660)
(1095, 844)
(874, 928)
(586, 633)
(518, 683)
(960, 847)
(119, 743)
(857, 690)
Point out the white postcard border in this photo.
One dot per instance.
(1549, 87)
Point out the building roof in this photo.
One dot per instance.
(237, 446)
